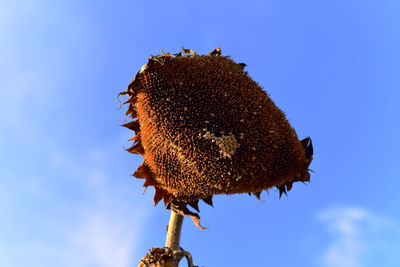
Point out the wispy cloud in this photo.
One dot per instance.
(101, 239)
(104, 241)
(357, 236)
(58, 204)
(346, 249)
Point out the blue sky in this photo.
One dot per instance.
(66, 194)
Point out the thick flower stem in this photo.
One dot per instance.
(174, 231)
(171, 254)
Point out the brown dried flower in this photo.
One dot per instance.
(204, 127)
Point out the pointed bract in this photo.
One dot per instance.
(135, 138)
(289, 186)
(167, 199)
(142, 171)
(149, 182)
(257, 195)
(131, 111)
(282, 190)
(158, 195)
(208, 200)
(133, 125)
(195, 205)
(137, 148)
(308, 147)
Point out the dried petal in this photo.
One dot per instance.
(142, 171)
(282, 190)
(133, 125)
(195, 205)
(137, 148)
(208, 200)
(257, 195)
(158, 195)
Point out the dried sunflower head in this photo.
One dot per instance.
(204, 127)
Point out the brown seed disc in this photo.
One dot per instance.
(204, 127)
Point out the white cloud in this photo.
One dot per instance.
(64, 179)
(105, 241)
(101, 239)
(357, 236)
(345, 250)
(343, 220)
